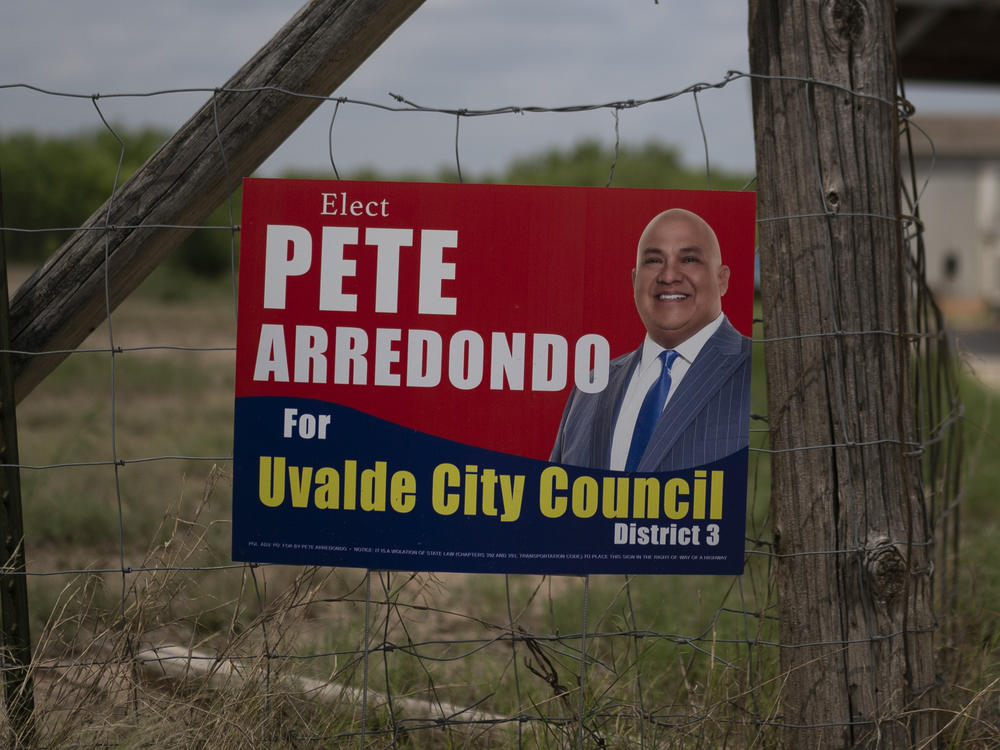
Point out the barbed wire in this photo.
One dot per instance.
(560, 677)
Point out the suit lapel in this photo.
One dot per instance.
(607, 406)
(712, 368)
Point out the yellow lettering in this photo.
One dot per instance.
(403, 492)
(550, 505)
(350, 483)
(585, 497)
(271, 488)
(614, 503)
(327, 489)
(489, 481)
(646, 497)
(699, 494)
(716, 506)
(300, 485)
(471, 486)
(373, 487)
(445, 476)
(671, 508)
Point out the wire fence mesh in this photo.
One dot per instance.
(144, 631)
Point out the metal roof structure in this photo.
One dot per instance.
(954, 41)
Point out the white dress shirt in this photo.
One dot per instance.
(646, 373)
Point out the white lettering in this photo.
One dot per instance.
(308, 425)
(386, 356)
(388, 242)
(346, 207)
(416, 358)
(590, 363)
(279, 264)
(465, 360)
(272, 358)
(507, 361)
(349, 363)
(310, 354)
(423, 359)
(334, 268)
(434, 269)
(549, 352)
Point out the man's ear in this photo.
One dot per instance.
(723, 279)
(634, 270)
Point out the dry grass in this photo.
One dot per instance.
(184, 648)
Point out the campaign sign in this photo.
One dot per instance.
(433, 377)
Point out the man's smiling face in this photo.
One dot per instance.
(679, 278)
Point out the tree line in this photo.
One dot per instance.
(53, 183)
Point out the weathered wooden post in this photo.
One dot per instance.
(183, 182)
(18, 687)
(851, 532)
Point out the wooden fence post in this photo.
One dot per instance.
(184, 181)
(850, 524)
(18, 686)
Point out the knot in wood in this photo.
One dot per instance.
(885, 566)
(845, 23)
(848, 18)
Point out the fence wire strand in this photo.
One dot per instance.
(288, 655)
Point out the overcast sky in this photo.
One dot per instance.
(474, 54)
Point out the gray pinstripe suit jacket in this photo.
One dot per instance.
(706, 419)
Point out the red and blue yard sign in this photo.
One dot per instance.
(405, 352)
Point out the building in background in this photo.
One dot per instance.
(958, 179)
(953, 43)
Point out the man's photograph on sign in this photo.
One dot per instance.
(493, 378)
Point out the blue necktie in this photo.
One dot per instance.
(650, 410)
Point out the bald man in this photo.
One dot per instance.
(678, 283)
